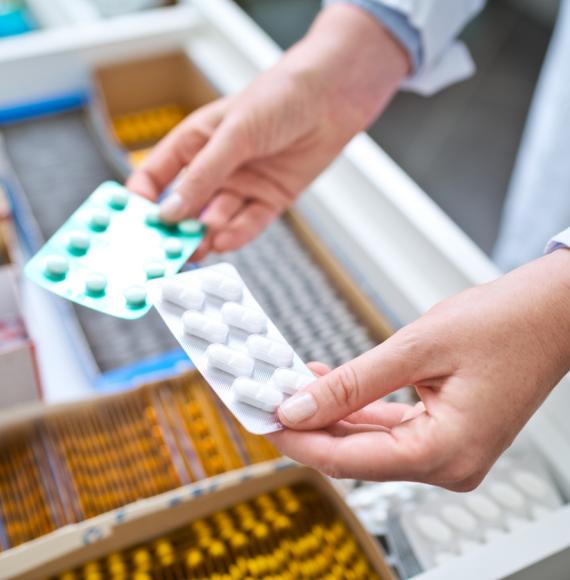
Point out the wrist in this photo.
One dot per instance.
(351, 63)
(550, 285)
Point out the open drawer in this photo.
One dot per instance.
(390, 238)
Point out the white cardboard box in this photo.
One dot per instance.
(19, 377)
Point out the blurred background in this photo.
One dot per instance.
(459, 145)
(101, 416)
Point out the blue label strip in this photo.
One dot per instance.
(33, 109)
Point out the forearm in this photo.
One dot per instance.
(548, 281)
(352, 64)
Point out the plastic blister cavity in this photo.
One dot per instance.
(443, 525)
(232, 342)
(104, 254)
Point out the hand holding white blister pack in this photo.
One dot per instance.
(232, 342)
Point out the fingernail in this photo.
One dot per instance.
(298, 408)
(173, 207)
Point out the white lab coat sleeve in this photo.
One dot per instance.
(561, 240)
(444, 60)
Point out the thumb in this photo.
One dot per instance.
(350, 387)
(225, 151)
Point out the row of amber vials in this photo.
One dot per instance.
(147, 125)
(209, 439)
(113, 456)
(291, 533)
(79, 464)
(25, 507)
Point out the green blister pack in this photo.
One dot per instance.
(104, 254)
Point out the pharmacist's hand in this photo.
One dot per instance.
(482, 362)
(245, 159)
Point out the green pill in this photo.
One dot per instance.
(154, 269)
(95, 284)
(190, 227)
(100, 220)
(56, 267)
(78, 242)
(119, 199)
(153, 217)
(173, 248)
(135, 296)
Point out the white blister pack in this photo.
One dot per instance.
(232, 342)
(443, 525)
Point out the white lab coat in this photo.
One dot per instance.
(445, 60)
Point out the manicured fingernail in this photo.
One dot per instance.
(298, 408)
(173, 207)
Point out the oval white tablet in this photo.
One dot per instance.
(222, 286)
(256, 394)
(513, 523)
(467, 546)
(442, 557)
(483, 507)
(289, 381)
(56, 266)
(229, 360)
(531, 484)
(507, 495)
(459, 518)
(539, 511)
(434, 529)
(202, 326)
(183, 295)
(493, 534)
(244, 318)
(173, 247)
(270, 351)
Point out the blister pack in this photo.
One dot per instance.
(104, 254)
(443, 525)
(232, 342)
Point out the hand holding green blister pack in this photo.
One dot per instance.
(104, 254)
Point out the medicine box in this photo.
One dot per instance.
(138, 101)
(158, 517)
(71, 462)
(19, 376)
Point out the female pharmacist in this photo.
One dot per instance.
(483, 361)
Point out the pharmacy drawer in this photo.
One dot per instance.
(410, 252)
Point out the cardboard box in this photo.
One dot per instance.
(176, 430)
(19, 376)
(149, 83)
(143, 87)
(158, 516)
